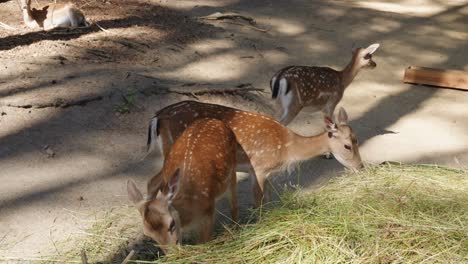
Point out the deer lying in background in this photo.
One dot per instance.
(295, 87)
(199, 168)
(266, 146)
(61, 15)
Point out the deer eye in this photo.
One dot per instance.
(348, 147)
(172, 226)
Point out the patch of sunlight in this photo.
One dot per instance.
(415, 139)
(22, 122)
(214, 68)
(456, 35)
(322, 48)
(380, 24)
(420, 55)
(275, 56)
(50, 174)
(212, 45)
(287, 27)
(410, 7)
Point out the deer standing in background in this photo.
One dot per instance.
(266, 146)
(61, 15)
(295, 87)
(198, 169)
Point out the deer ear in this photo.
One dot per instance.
(372, 48)
(342, 117)
(330, 125)
(174, 185)
(133, 193)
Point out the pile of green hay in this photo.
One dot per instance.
(390, 213)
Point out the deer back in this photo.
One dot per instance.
(205, 153)
(261, 138)
(312, 85)
(264, 142)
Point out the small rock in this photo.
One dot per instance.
(283, 49)
(81, 198)
(48, 151)
(54, 82)
(3, 113)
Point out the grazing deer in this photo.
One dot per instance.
(62, 15)
(199, 168)
(295, 87)
(266, 146)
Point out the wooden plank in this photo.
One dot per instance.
(437, 77)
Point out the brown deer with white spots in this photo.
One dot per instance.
(296, 87)
(198, 169)
(57, 15)
(266, 146)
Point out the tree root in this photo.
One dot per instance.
(198, 91)
(231, 18)
(59, 102)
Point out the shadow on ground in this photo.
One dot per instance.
(331, 28)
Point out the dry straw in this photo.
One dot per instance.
(386, 214)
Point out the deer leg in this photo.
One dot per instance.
(289, 115)
(330, 106)
(289, 105)
(207, 226)
(259, 189)
(328, 112)
(73, 19)
(233, 197)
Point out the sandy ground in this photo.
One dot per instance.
(59, 163)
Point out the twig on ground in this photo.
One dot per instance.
(5, 26)
(95, 52)
(213, 91)
(221, 16)
(129, 44)
(103, 29)
(33, 259)
(249, 26)
(84, 258)
(129, 257)
(234, 16)
(58, 103)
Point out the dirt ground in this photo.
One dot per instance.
(74, 105)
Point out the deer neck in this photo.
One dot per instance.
(349, 72)
(303, 148)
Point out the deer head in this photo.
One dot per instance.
(363, 56)
(161, 221)
(343, 142)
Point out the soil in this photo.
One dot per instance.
(75, 104)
